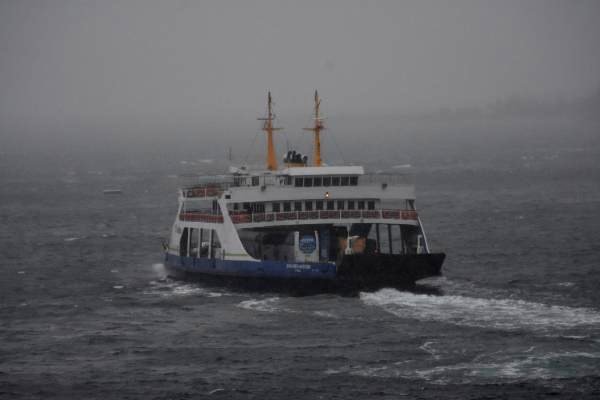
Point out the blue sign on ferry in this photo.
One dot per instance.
(307, 244)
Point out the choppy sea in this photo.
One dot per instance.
(88, 311)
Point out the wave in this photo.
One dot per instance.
(166, 288)
(277, 305)
(545, 366)
(266, 305)
(325, 314)
(504, 314)
(510, 367)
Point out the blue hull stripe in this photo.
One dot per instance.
(261, 269)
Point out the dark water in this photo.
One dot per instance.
(87, 311)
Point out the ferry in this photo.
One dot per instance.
(301, 222)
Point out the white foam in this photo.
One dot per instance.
(266, 305)
(160, 270)
(428, 348)
(325, 314)
(72, 239)
(276, 304)
(566, 284)
(509, 367)
(506, 314)
(176, 289)
(576, 337)
(357, 370)
(189, 290)
(532, 367)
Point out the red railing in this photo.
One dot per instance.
(262, 217)
(244, 218)
(355, 214)
(201, 217)
(286, 216)
(308, 214)
(241, 217)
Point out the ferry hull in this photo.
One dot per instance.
(354, 272)
(380, 270)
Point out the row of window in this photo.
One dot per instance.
(302, 181)
(310, 181)
(308, 205)
(199, 243)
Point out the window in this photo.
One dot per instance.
(276, 207)
(353, 180)
(298, 182)
(236, 206)
(288, 180)
(308, 205)
(335, 181)
(287, 206)
(361, 205)
(297, 206)
(215, 245)
(255, 181)
(194, 246)
(308, 182)
(259, 208)
(327, 181)
(371, 205)
(203, 242)
(383, 234)
(340, 204)
(345, 180)
(396, 239)
(214, 238)
(330, 204)
(319, 204)
(350, 205)
(317, 181)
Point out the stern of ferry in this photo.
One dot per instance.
(394, 270)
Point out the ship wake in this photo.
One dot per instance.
(503, 314)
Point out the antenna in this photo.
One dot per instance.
(317, 128)
(269, 129)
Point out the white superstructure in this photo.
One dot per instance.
(299, 213)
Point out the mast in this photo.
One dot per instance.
(269, 129)
(317, 128)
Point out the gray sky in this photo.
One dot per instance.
(169, 62)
